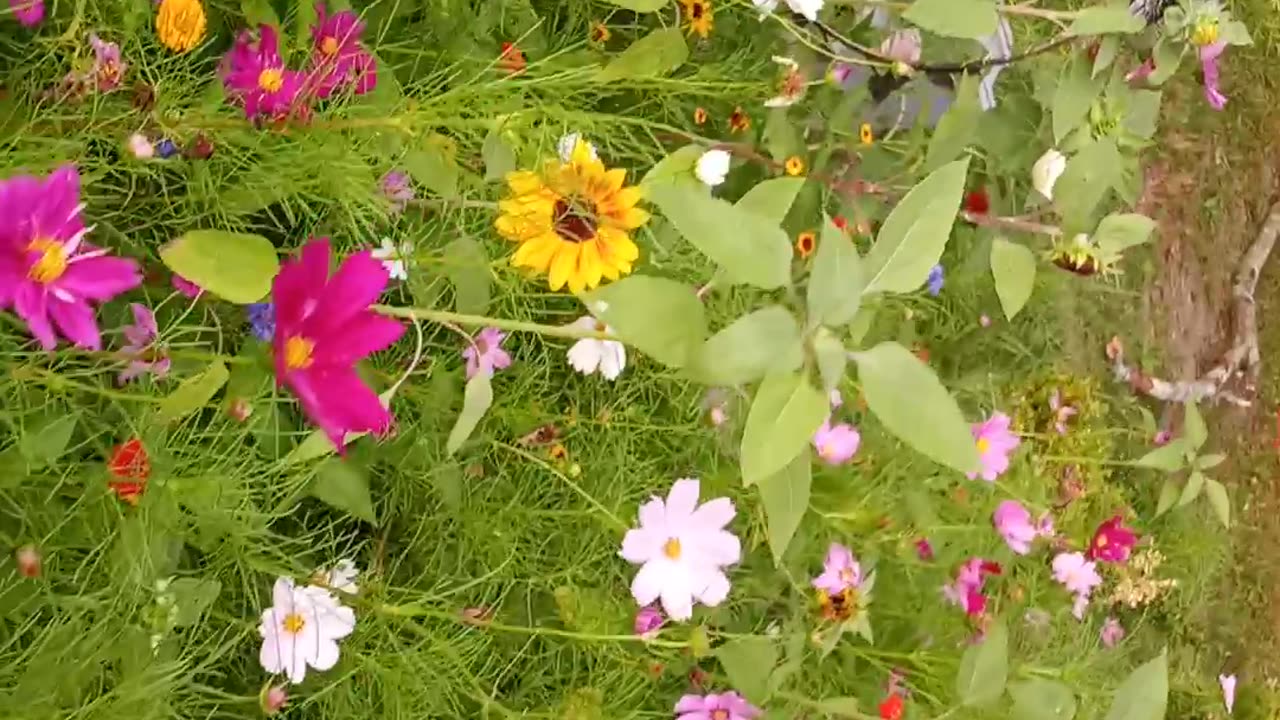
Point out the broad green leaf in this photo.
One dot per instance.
(640, 5)
(475, 403)
(192, 596)
(345, 486)
(655, 54)
(754, 344)
(1107, 51)
(1168, 496)
(467, 268)
(499, 158)
(1144, 694)
(304, 19)
(836, 281)
(1013, 266)
(785, 498)
(984, 668)
(748, 661)
(1040, 699)
(1089, 175)
(662, 318)
(434, 168)
(912, 238)
(751, 249)
(1193, 488)
(1219, 501)
(1169, 458)
(971, 19)
(909, 400)
(1105, 19)
(783, 417)
(1193, 427)
(45, 440)
(1236, 33)
(259, 12)
(1204, 462)
(236, 267)
(194, 393)
(1076, 92)
(1168, 56)
(772, 199)
(957, 127)
(831, 357)
(1120, 231)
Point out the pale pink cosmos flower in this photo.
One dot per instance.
(485, 353)
(1013, 522)
(1228, 683)
(836, 444)
(995, 443)
(1062, 412)
(1079, 576)
(723, 706)
(141, 336)
(682, 549)
(648, 621)
(902, 46)
(1112, 632)
(1209, 55)
(840, 571)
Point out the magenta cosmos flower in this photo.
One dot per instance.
(29, 13)
(648, 621)
(48, 274)
(840, 571)
(1112, 542)
(966, 590)
(338, 59)
(485, 353)
(1209, 55)
(995, 443)
(723, 706)
(254, 74)
(323, 327)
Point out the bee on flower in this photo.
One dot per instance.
(844, 591)
(697, 15)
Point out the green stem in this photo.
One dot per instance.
(444, 316)
(413, 610)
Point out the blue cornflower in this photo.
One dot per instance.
(935, 280)
(262, 319)
(165, 148)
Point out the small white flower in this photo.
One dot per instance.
(301, 629)
(568, 142)
(141, 147)
(590, 355)
(343, 576)
(712, 167)
(1047, 170)
(808, 8)
(392, 258)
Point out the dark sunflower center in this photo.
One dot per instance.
(573, 224)
(697, 11)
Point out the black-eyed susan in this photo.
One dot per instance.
(697, 14)
(805, 243)
(557, 453)
(794, 166)
(573, 220)
(739, 120)
(866, 135)
(600, 33)
(700, 116)
(180, 24)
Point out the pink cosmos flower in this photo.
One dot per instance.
(1013, 522)
(29, 13)
(995, 443)
(682, 549)
(836, 444)
(141, 335)
(724, 706)
(1228, 684)
(1062, 412)
(323, 327)
(840, 571)
(1209, 66)
(966, 590)
(186, 287)
(924, 550)
(1112, 632)
(1112, 541)
(1162, 438)
(486, 353)
(108, 69)
(254, 74)
(1079, 576)
(397, 188)
(337, 58)
(648, 620)
(48, 275)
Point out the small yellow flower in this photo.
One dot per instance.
(180, 24)
(557, 453)
(794, 166)
(600, 33)
(700, 116)
(698, 15)
(739, 121)
(865, 134)
(805, 243)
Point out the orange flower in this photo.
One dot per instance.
(131, 467)
(512, 59)
(700, 116)
(739, 121)
(805, 242)
(600, 33)
(794, 166)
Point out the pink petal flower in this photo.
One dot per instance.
(1112, 542)
(338, 60)
(186, 287)
(1013, 522)
(1228, 683)
(486, 353)
(836, 444)
(29, 13)
(255, 76)
(1209, 55)
(1112, 632)
(1077, 574)
(648, 620)
(840, 570)
(995, 442)
(724, 706)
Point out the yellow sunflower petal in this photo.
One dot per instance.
(592, 267)
(614, 179)
(537, 253)
(523, 182)
(563, 265)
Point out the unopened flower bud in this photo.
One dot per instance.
(28, 559)
(240, 409)
(273, 699)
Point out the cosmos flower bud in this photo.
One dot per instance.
(28, 560)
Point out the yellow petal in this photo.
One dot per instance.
(614, 179)
(523, 182)
(562, 265)
(590, 264)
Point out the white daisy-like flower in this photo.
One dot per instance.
(592, 355)
(141, 147)
(301, 630)
(807, 8)
(712, 167)
(392, 258)
(568, 142)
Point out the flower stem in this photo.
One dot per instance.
(414, 610)
(444, 317)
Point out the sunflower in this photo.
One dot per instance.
(180, 24)
(739, 121)
(700, 116)
(794, 166)
(865, 134)
(573, 220)
(805, 243)
(699, 14)
(600, 33)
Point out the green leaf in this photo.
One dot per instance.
(1194, 429)
(831, 357)
(655, 54)
(1089, 175)
(1168, 495)
(1169, 458)
(783, 417)
(836, 281)
(1212, 460)
(930, 421)
(750, 248)
(912, 238)
(662, 318)
(1120, 231)
(1013, 266)
(1235, 32)
(748, 349)
(1219, 501)
(1107, 51)
(1076, 92)
(475, 403)
(772, 199)
(304, 19)
(45, 440)
(640, 5)
(192, 596)
(237, 267)
(957, 127)
(499, 158)
(984, 668)
(785, 498)
(1144, 694)
(841, 707)
(434, 169)
(467, 268)
(748, 661)
(1039, 699)
(345, 486)
(1168, 56)
(259, 12)
(194, 393)
(677, 168)
(1106, 19)
(1193, 488)
(971, 19)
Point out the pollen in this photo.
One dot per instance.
(293, 623)
(1205, 32)
(297, 353)
(271, 79)
(794, 166)
(52, 262)
(329, 46)
(671, 548)
(984, 445)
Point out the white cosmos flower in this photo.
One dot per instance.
(568, 142)
(1047, 170)
(590, 355)
(301, 630)
(392, 258)
(342, 577)
(712, 167)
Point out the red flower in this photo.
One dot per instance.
(130, 466)
(840, 222)
(512, 59)
(924, 550)
(28, 559)
(891, 708)
(977, 202)
(1112, 542)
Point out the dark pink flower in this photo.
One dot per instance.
(186, 287)
(648, 620)
(108, 68)
(966, 590)
(924, 550)
(29, 13)
(723, 706)
(323, 327)
(1209, 66)
(1112, 542)
(48, 274)
(254, 74)
(337, 58)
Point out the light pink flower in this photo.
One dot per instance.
(1013, 522)
(648, 620)
(1228, 683)
(1140, 74)
(1079, 576)
(108, 68)
(486, 353)
(995, 443)
(836, 444)
(1209, 55)
(1062, 412)
(724, 706)
(141, 335)
(1162, 437)
(840, 570)
(966, 590)
(902, 46)
(1112, 632)
(274, 700)
(682, 549)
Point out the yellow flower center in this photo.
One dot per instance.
(329, 45)
(1205, 32)
(52, 263)
(983, 445)
(720, 714)
(671, 548)
(1102, 541)
(293, 623)
(297, 353)
(271, 79)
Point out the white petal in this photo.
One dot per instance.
(681, 501)
(716, 590)
(282, 595)
(713, 514)
(653, 515)
(648, 583)
(677, 596)
(584, 356)
(641, 545)
(335, 621)
(613, 359)
(326, 654)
